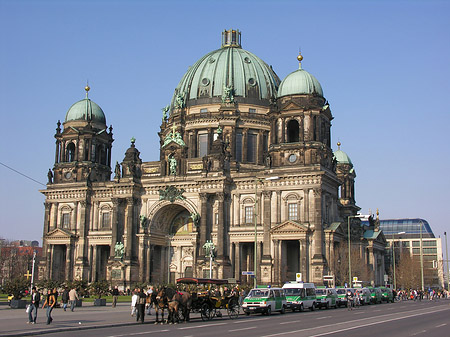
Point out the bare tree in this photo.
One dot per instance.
(408, 271)
(341, 267)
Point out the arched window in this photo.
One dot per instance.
(293, 131)
(70, 153)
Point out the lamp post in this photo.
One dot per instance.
(255, 218)
(169, 237)
(421, 254)
(446, 259)
(393, 255)
(358, 216)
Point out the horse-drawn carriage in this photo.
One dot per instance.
(207, 299)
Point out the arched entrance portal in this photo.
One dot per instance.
(174, 244)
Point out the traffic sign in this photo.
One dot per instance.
(298, 277)
(248, 273)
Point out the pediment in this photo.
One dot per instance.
(289, 227)
(291, 106)
(59, 233)
(336, 227)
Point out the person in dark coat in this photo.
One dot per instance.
(65, 298)
(35, 299)
(115, 295)
(141, 305)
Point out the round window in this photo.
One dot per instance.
(211, 60)
(292, 158)
(251, 81)
(205, 81)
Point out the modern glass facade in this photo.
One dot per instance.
(411, 227)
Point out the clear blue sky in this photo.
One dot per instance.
(383, 66)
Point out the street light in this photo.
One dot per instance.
(255, 215)
(421, 254)
(358, 216)
(446, 259)
(393, 255)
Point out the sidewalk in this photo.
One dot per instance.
(13, 322)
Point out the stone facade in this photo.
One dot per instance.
(232, 169)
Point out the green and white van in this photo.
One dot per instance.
(300, 296)
(265, 300)
(326, 298)
(364, 295)
(375, 295)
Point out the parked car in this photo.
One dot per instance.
(300, 296)
(364, 296)
(375, 295)
(387, 295)
(326, 297)
(342, 295)
(265, 300)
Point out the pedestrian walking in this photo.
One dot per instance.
(115, 295)
(148, 307)
(73, 297)
(50, 303)
(141, 305)
(35, 299)
(134, 302)
(65, 298)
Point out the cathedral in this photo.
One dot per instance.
(245, 166)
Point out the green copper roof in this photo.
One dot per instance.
(229, 66)
(342, 157)
(299, 82)
(85, 110)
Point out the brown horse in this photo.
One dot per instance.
(158, 304)
(176, 300)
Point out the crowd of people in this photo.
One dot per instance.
(419, 295)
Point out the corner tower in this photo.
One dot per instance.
(83, 147)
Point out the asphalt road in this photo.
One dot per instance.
(426, 318)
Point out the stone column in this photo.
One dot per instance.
(318, 230)
(276, 261)
(278, 207)
(142, 259)
(147, 263)
(203, 218)
(306, 206)
(94, 263)
(244, 144)
(49, 261)
(82, 231)
(54, 216)
(260, 149)
(114, 224)
(48, 207)
(129, 229)
(267, 223)
(96, 215)
(237, 210)
(303, 259)
(69, 262)
(220, 226)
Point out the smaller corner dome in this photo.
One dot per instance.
(86, 110)
(342, 157)
(300, 82)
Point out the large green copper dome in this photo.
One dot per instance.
(300, 82)
(250, 78)
(86, 110)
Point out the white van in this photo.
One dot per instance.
(265, 300)
(300, 296)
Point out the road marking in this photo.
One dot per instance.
(250, 327)
(139, 333)
(323, 317)
(201, 326)
(353, 327)
(438, 326)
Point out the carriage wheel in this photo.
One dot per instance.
(206, 312)
(233, 309)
